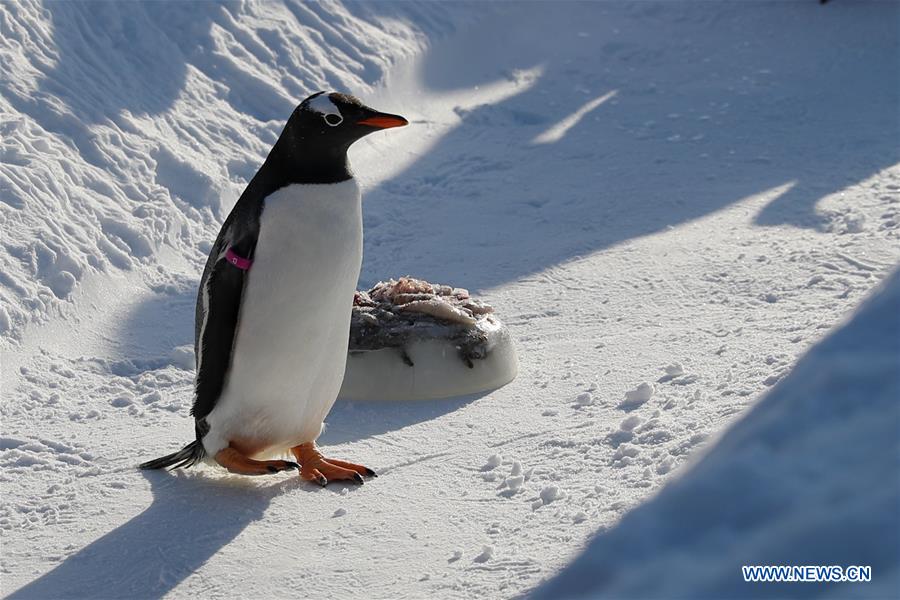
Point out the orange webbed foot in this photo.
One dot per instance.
(236, 462)
(315, 467)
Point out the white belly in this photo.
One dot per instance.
(291, 344)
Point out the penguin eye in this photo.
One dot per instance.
(334, 120)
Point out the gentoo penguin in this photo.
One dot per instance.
(274, 305)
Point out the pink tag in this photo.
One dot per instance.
(241, 263)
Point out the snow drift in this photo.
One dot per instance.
(116, 117)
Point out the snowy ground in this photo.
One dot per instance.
(809, 476)
(686, 196)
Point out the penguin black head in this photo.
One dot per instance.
(313, 146)
(341, 118)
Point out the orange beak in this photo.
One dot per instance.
(384, 121)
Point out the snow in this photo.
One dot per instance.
(584, 399)
(486, 553)
(741, 151)
(514, 482)
(674, 370)
(493, 461)
(550, 493)
(638, 396)
(807, 477)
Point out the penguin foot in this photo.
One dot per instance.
(315, 467)
(236, 462)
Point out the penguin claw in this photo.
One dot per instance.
(315, 467)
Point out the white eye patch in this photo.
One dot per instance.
(323, 105)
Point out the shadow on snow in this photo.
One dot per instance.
(763, 96)
(153, 552)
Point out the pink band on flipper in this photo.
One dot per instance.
(241, 263)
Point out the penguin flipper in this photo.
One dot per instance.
(223, 289)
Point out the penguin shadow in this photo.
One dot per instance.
(350, 420)
(191, 518)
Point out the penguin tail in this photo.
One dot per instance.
(188, 456)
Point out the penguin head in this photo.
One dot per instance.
(338, 120)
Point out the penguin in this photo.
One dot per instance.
(275, 300)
